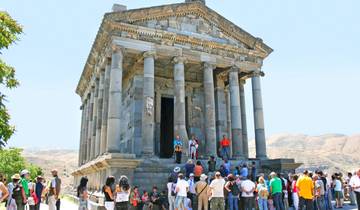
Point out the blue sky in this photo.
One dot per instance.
(312, 78)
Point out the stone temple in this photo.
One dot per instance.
(153, 73)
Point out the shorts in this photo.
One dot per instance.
(339, 195)
(180, 202)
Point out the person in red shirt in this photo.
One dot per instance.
(225, 147)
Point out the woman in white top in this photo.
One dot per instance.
(171, 193)
(122, 194)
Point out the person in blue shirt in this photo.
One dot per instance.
(244, 172)
(39, 187)
(178, 145)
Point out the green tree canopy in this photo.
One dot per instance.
(12, 162)
(9, 33)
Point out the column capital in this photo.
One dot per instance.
(242, 81)
(257, 73)
(179, 60)
(116, 48)
(209, 65)
(234, 69)
(149, 54)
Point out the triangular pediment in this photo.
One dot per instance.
(194, 20)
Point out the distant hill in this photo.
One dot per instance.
(330, 152)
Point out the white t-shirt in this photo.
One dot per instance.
(170, 188)
(122, 196)
(217, 188)
(182, 185)
(337, 185)
(191, 186)
(247, 185)
(355, 182)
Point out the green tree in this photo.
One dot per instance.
(9, 34)
(12, 162)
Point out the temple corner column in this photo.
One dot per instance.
(243, 119)
(260, 141)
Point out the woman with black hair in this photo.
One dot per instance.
(122, 194)
(108, 192)
(82, 194)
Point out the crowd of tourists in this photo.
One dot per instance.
(220, 188)
(23, 193)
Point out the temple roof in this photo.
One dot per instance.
(214, 31)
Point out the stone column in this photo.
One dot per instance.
(94, 149)
(210, 129)
(81, 142)
(235, 113)
(260, 142)
(90, 125)
(148, 123)
(83, 137)
(179, 102)
(99, 113)
(115, 100)
(243, 119)
(105, 107)
(220, 110)
(86, 127)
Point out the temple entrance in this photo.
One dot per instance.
(167, 127)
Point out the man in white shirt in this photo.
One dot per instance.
(182, 187)
(217, 192)
(355, 185)
(247, 188)
(192, 191)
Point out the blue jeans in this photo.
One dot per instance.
(278, 203)
(225, 152)
(320, 202)
(233, 202)
(262, 203)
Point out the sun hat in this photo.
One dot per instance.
(16, 176)
(24, 172)
(177, 169)
(191, 174)
(203, 177)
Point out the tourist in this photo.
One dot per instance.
(135, 199)
(294, 192)
(217, 192)
(18, 195)
(32, 199)
(192, 192)
(189, 168)
(237, 171)
(54, 191)
(227, 166)
(276, 191)
(355, 186)
(171, 187)
(211, 166)
(305, 187)
(223, 171)
(39, 189)
(225, 147)
(108, 193)
(82, 194)
(122, 194)
(198, 170)
(201, 188)
(338, 191)
(155, 198)
(4, 193)
(285, 194)
(145, 200)
(193, 146)
(319, 192)
(178, 144)
(188, 204)
(244, 171)
(182, 188)
(351, 190)
(253, 171)
(248, 188)
(263, 194)
(25, 176)
(233, 192)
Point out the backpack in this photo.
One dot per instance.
(173, 189)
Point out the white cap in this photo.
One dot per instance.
(23, 172)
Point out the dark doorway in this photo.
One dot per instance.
(167, 128)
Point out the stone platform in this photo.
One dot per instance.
(153, 171)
